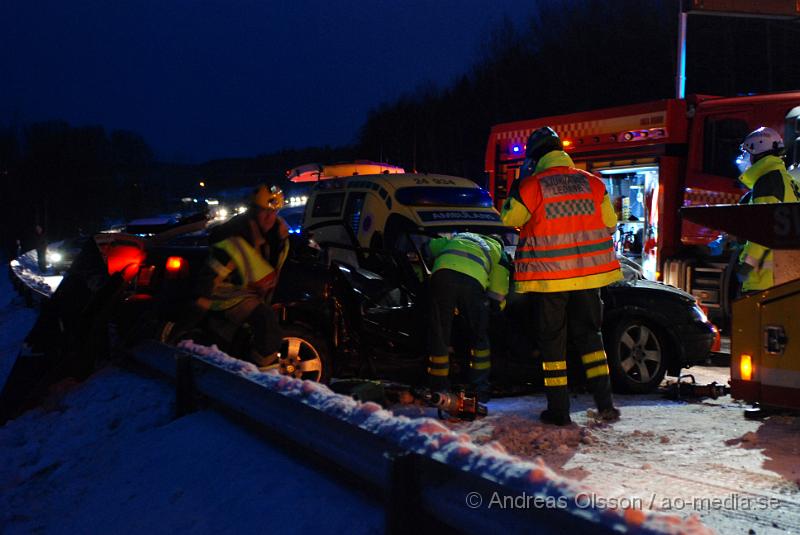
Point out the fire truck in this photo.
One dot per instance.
(655, 158)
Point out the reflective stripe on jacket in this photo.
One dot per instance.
(257, 275)
(567, 221)
(480, 257)
(771, 183)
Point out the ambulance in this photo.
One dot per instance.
(378, 208)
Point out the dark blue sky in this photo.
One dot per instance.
(213, 78)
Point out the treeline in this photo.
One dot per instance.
(576, 55)
(571, 55)
(68, 179)
(74, 179)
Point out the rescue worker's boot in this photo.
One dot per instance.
(554, 418)
(555, 386)
(599, 384)
(479, 371)
(557, 412)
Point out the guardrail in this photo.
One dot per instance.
(411, 485)
(32, 294)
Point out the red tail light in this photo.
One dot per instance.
(174, 264)
(125, 258)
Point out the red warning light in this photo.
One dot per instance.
(174, 263)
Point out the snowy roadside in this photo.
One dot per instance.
(15, 321)
(106, 456)
(87, 445)
(490, 459)
(698, 457)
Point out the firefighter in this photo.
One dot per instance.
(564, 256)
(765, 175)
(246, 256)
(469, 271)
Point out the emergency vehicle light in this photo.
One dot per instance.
(638, 135)
(516, 149)
(746, 367)
(174, 263)
(566, 143)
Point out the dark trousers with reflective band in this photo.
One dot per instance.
(451, 290)
(267, 332)
(575, 316)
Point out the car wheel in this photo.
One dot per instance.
(304, 354)
(637, 356)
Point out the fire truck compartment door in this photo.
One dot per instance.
(780, 346)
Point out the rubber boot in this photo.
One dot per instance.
(479, 384)
(557, 412)
(601, 389)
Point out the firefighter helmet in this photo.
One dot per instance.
(268, 197)
(539, 143)
(763, 140)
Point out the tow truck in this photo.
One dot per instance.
(655, 158)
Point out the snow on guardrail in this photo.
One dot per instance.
(430, 437)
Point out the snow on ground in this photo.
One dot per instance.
(15, 321)
(106, 456)
(454, 447)
(672, 456)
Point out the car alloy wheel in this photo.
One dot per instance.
(637, 355)
(300, 359)
(640, 353)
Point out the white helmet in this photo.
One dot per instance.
(763, 140)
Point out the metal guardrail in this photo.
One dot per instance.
(413, 486)
(31, 293)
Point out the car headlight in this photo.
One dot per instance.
(54, 257)
(698, 314)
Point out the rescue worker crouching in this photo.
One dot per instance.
(564, 256)
(764, 173)
(469, 270)
(246, 255)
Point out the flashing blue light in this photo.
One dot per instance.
(516, 148)
(294, 230)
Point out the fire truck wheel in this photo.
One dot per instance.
(304, 354)
(636, 356)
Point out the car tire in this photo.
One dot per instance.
(304, 354)
(637, 355)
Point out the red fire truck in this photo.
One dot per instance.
(655, 158)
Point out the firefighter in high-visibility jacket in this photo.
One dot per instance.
(564, 256)
(765, 174)
(245, 258)
(469, 271)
